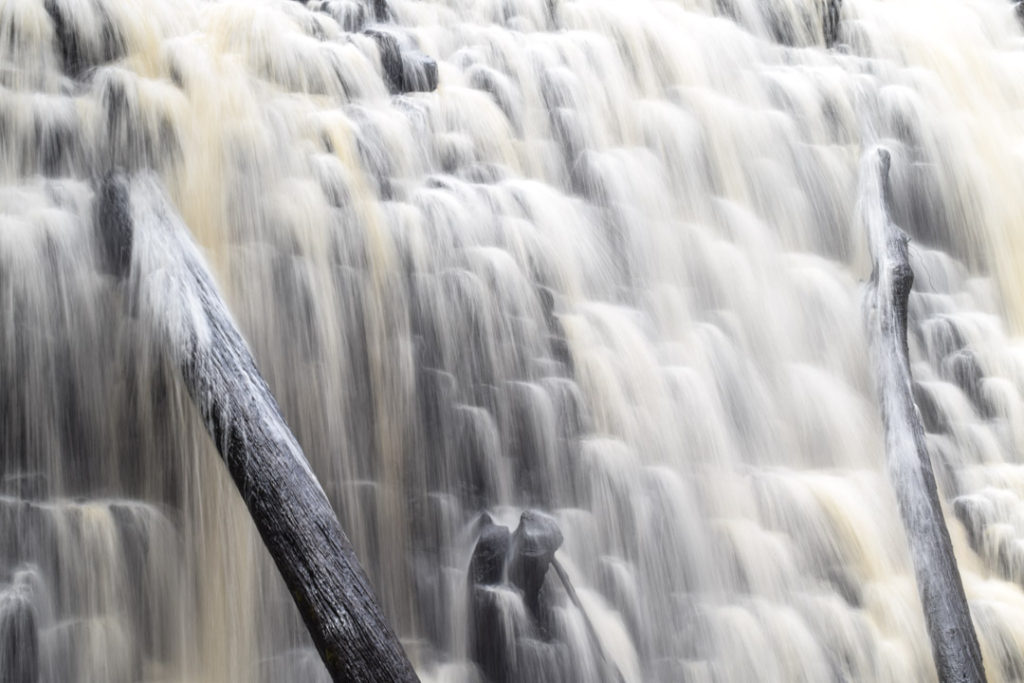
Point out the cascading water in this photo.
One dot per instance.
(610, 269)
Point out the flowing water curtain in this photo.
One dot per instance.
(609, 269)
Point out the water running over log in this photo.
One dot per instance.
(177, 296)
(954, 643)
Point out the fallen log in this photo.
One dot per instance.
(610, 670)
(947, 616)
(175, 293)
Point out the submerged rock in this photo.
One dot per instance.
(487, 566)
(830, 21)
(114, 226)
(19, 636)
(405, 70)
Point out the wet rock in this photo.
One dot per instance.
(975, 513)
(538, 660)
(830, 21)
(479, 447)
(533, 438)
(419, 72)
(492, 635)
(19, 637)
(25, 485)
(381, 10)
(790, 24)
(503, 565)
(390, 58)
(846, 584)
(934, 419)
(489, 636)
(351, 16)
(405, 70)
(86, 35)
(533, 548)
(963, 368)
(114, 226)
(487, 566)
(501, 89)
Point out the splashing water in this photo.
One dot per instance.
(609, 269)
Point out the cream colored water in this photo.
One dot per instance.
(610, 269)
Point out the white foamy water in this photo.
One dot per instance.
(611, 269)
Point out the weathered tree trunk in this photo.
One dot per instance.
(954, 643)
(177, 295)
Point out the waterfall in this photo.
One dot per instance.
(609, 269)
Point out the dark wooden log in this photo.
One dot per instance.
(176, 294)
(609, 669)
(948, 618)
